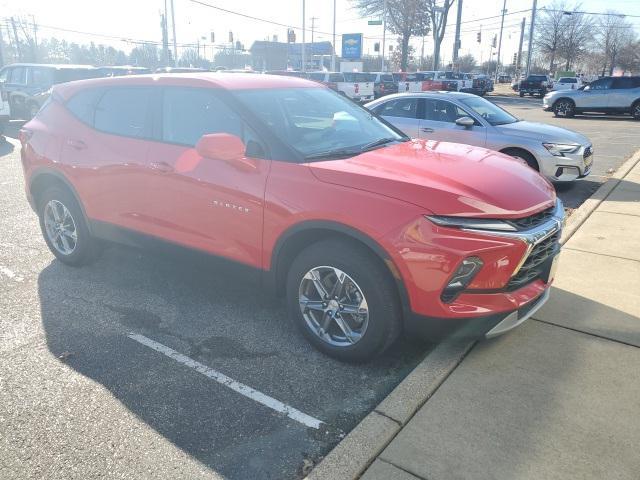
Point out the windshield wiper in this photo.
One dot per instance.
(379, 143)
(337, 153)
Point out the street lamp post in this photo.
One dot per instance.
(304, 56)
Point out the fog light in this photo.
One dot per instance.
(462, 277)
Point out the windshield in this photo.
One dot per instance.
(315, 121)
(489, 111)
(359, 77)
(63, 75)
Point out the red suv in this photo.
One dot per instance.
(363, 230)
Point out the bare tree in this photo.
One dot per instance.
(466, 63)
(615, 34)
(405, 18)
(629, 56)
(576, 37)
(549, 31)
(438, 14)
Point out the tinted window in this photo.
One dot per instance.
(568, 80)
(82, 105)
(317, 76)
(602, 84)
(70, 74)
(336, 77)
(624, 82)
(4, 74)
(386, 78)
(40, 76)
(18, 76)
(188, 114)
(401, 107)
(441, 111)
(124, 111)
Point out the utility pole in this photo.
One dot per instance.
(1, 49)
(531, 27)
(384, 31)
(504, 10)
(304, 56)
(175, 42)
(333, 54)
(15, 38)
(35, 38)
(313, 26)
(165, 36)
(519, 61)
(422, 54)
(456, 42)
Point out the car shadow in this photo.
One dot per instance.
(217, 316)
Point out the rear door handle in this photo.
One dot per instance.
(426, 130)
(163, 167)
(77, 144)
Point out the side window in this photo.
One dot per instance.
(190, 113)
(124, 111)
(602, 84)
(18, 76)
(622, 83)
(5, 73)
(401, 107)
(442, 111)
(82, 105)
(336, 77)
(41, 77)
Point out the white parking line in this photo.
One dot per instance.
(221, 378)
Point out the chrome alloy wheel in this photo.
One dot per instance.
(564, 108)
(60, 227)
(636, 111)
(333, 306)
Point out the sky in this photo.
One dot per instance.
(112, 22)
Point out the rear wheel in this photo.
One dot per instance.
(564, 108)
(635, 110)
(64, 228)
(342, 299)
(522, 94)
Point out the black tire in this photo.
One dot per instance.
(86, 247)
(522, 94)
(371, 276)
(564, 107)
(635, 110)
(524, 155)
(31, 110)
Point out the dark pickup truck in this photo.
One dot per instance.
(535, 84)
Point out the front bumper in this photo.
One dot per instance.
(567, 168)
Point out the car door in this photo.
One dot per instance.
(439, 123)
(403, 113)
(620, 94)
(206, 203)
(596, 95)
(111, 157)
(14, 86)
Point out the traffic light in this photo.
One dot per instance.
(479, 37)
(213, 37)
(291, 36)
(230, 37)
(376, 47)
(515, 59)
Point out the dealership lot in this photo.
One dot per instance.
(118, 367)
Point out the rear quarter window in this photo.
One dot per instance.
(82, 105)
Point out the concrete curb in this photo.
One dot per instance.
(353, 455)
(584, 211)
(356, 452)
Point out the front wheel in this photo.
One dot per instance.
(564, 108)
(64, 228)
(343, 300)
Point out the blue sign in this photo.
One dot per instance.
(351, 46)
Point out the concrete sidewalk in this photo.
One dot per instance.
(558, 398)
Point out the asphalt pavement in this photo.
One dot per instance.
(215, 391)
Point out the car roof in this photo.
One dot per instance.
(225, 81)
(58, 66)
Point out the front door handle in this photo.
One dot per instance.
(163, 167)
(426, 130)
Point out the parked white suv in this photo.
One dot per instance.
(355, 85)
(606, 95)
(567, 83)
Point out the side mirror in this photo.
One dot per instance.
(220, 146)
(466, 122)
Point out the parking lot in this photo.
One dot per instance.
(145, 365)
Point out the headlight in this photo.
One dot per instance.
(472, 223)
(559, 149)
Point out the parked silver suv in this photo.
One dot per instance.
(559, 154)
(606, 95)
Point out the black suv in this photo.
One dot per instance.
(27, 85)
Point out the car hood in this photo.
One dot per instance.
(444, 179)
(542, 132)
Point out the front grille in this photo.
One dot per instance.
(535, 264)
(533, 221)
